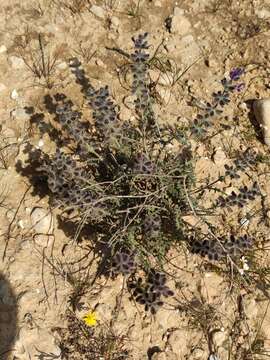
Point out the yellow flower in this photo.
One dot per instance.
(90, 318)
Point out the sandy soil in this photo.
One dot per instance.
(206, 40)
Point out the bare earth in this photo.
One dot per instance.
(206, 40)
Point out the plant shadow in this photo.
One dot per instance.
(8, 317)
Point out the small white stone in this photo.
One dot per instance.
(16, 62)
(262, 113)
(3, 49)
(219, 157)
(2, 87)
(40, 143)
(98, 11)
(115, 22)
(42, 221)
(14, 94)
(100, 63)
(62, 65)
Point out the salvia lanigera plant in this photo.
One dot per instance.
(129, 180)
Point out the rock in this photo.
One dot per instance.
(262, 113)
(98, 11)
(180, 24)
(3, 49)
(104, 312)
(16, 62)
(219, 157)
(62, 65)
(100, 63)
(42, 221)
(19, 114)
(40, 144)
(263, 13)
(14, 95)
(188, 49)
(166, 319)
(115, 23)
(2, 87)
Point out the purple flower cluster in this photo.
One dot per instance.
(218, 249)
(139, 69)
(220, 98)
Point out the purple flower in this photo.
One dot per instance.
(239, 87)
(236, 73)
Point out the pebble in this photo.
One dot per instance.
(98, 11)
(115, 23)
(3, 49)
(40, 143)
(100, 63)
(16, 62)
(263, 13)
(219, 157)
(261, 110)
(62, 65)
(14, 94)
(42, 221)
(2, 87)
(180, 24)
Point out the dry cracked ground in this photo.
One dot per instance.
(214, 313)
